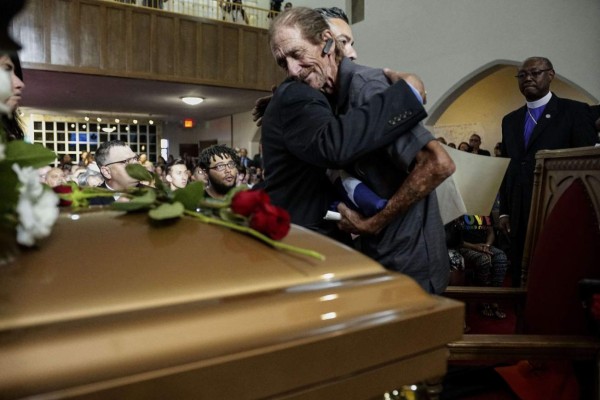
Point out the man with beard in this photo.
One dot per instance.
(220, 163)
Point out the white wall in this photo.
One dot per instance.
(237, 130)
(445, 41)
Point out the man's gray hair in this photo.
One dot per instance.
(103, 150)
(333, 13)
(309, 22)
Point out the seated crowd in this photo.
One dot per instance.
(219, 167)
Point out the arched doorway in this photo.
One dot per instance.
(482, 98)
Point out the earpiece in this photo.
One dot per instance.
(327, 46)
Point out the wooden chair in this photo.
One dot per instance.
(562, 247)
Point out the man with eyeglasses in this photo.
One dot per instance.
(112, 157)
(546, 122)
(475, 143)
(220, 163)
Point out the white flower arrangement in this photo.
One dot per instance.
(37, 207)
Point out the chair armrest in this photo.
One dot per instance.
(519, 347)
(465, 293)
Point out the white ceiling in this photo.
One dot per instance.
(72, 94)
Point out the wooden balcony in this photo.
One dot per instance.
(113, 39)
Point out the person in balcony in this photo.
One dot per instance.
(154, 3)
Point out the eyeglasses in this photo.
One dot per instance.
(131, 160)
(522, 75)
(221, 167)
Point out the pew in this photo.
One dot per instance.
(562, 247)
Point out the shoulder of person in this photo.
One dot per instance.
(292, 91)
(574, 104)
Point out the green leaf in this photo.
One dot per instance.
(27, 154)
(233, 191)
(137, 171)
(142, 202)
(167, 211)
(227, 215)
(190, 196)
(8, 189)
(159, 184)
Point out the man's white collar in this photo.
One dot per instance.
(540, 102)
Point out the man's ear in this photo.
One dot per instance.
(169, 178)
(105, 172)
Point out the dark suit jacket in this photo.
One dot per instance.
(414, 242)
(302, 137)
(563, 124)
(102, 201)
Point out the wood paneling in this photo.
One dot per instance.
(209, 53)
(248, 57)
(108, 38)
(141, 45)
(61, 38)
(188, 42)
(230, 54)
(90, 34)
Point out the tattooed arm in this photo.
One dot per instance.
(432, 166)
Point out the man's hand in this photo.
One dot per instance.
(504, 224)
(414, 80)
(260, 106)
(356, 223)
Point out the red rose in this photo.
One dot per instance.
(246, 202)
(271, 220)
(63, 189)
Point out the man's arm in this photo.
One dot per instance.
(410, 78)
(583, 132)
(260, 106)
(432, 166)
(315, 135)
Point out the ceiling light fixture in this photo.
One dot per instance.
(192, 100)
(151, 122)
(87, 118)
(135, 121)
(99, 119)
(117, 120)
(109, 129)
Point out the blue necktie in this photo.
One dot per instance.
(532, 116)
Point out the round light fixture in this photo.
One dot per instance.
(192, 101)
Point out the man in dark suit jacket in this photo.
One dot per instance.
(546, 122)
(302, 137)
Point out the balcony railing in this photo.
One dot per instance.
(213, 9)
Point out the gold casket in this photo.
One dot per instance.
(110, 307)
